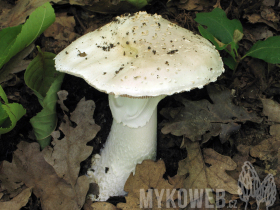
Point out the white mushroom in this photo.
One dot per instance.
(138, 60)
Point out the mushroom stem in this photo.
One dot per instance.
(132, 139)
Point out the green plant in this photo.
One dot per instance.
(15, 39)
(40, 75)
(138, 3)
(12, 41)
(45, 81)
(10, 113)
(225, 35)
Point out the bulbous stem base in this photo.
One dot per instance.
(125, 147)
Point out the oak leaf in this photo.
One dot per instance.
(148, 178)
(54, 172)
(196, 118)
(17, 202)
(202, 177)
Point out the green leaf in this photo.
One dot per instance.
(15, 39)
(230, 62)
(221, 31)
(268, 50)
(219, 25)
(45, 81)
(206, 34)
(3, 115)
(138, 3)
(3, 95)
(9, 113)
(7, 39)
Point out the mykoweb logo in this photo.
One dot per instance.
(249, 185)
(196, 196)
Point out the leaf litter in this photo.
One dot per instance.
(149, 176)
(201, 176)
(54, 172)
(207, 119)
(17, 202)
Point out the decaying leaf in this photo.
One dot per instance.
(18, 14)
(216, 175)
(69, 152)
(194, 166)
(111, 6)
(271, 109)
(103, 206)
(275, 130)
(239, 158)
(149, 176)
(16, 64)
(62, 95)
(53, 173)
(257, 18)
(268, 151)
(204, 177)
(17, 202)
(191, 4)
(62, 28)
(198, 117)
(260, 32)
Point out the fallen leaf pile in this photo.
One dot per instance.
(17, 15)
(272, 110)
(17, 202)
(149, 176)
(62, 28)
(197, 5)
(53, 174)
(219, 118)
(205, 177)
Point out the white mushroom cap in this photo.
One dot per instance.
(142, 55)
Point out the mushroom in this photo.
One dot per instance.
(137, 59)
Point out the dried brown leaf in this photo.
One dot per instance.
(62, 29)
(216, 173)
(62, 96)
(29, 167)
(202, 177)
(260, 32)
(256, 18)
(275, 130)
(149, 175)
(16, 64)
(111, 6)
(197, 117)
(69, 152)
(197, 5)
(19, 13)
(17, 202)
(240, 158)
(271, 109)
(267, 149)
(53, 173)
(103, 206)
(269, 14)
(194, 166)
